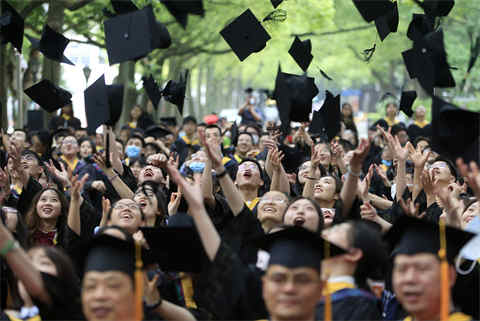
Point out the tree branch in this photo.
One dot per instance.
(335, 32)
(75, 5)
(30, 7)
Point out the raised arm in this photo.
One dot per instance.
(76, 200)
(207, 185)
(20, 262)
(419, 159)
(193, 194)
(230, 191)
(279, 179)
(122, 189)
(311, 180)
(349, 189)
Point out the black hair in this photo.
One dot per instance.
(162, 204)
(257, 129)
(421, 138)
(136, 136)
(31, 152)
(321, 222)
(189, 119)
(154, 146)
(87, 139)
(451, 166)
(214, 126)
(245, 133)
(256, 163)
(109, 214)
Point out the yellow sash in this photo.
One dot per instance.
(190, 142)
(72, 164)
(457, 316)
(251, 204)
(333, 287)
(422, 124)
(187, 288)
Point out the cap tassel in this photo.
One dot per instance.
(445, 288)
(328, 298)
(138, 282)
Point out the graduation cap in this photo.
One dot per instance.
(11, 26)
(455, 131)
(372, 9)
(413, 236)
(35, 120)
(245, 35)
(103, 104)
(152, 89)
(276, 3)
(123, 6)
(326, 121)
(169, 121)
(388, 22)
(134, 35)
(48, 96)
(176, 249)
(294, 95)
(420, 26)
(301, 52)
(174, 92)
(295, 247)
(406, 102)
(157, 131)
(52, 45)
(180, 9)
(427, 61)
(436, 8)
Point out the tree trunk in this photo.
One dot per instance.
(199, 88)
(126, 77)
(3, 88)
(51, 69)
(210, 89)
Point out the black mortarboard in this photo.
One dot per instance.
(381, 122)
(48, 96)
(412, 236)
(326, 121)
(174, 92)
(294, 95)
(152, 90)
(295, 247)
(104, 253)
(176, 248)
(436, 8)
(169, 121)
(276, 3)
(301, 52)
(35, 120)
(180, 9)
(123, 6)
(455, 131)
(157, 131)
(245, 35)
(134, 35)
(420, 26)
(388, 22)
(372, 9)
(427, 62)
(406, 102)
(103, 104)
(11, 26)
(52, 45)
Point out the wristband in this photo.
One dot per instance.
(9, 246)
(222, 174)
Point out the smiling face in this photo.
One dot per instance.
(86, 149)
(244, 144)
(49, 206)
(291, 294)
(127, 215)
(470, 213)
(147, 200)
(248, 174)
(302, 213)
(271, 207)
(325, 189)
(151, 173)
(417, 284)
(108, 296)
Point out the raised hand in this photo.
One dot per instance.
(364, 185)
(4, 185)
(77, 186)
(428, 183)
(214, 152)
(418, 158)
(411, 209)
(151, 294)
(106, 206)
(192, 192)
(174, 203)
(471, 173)
(359, 155)
(62, 175)
(368, 212)
(276, 159)
(157, 160)
(99, 186)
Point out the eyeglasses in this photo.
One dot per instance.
(277, 201)
(247, 166)
(132, 206)
(28, 158)
(437, 165)
(300, 279)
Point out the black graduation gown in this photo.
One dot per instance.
(351, 304)
(465, 292)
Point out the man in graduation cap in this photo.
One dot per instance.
(424, 267)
